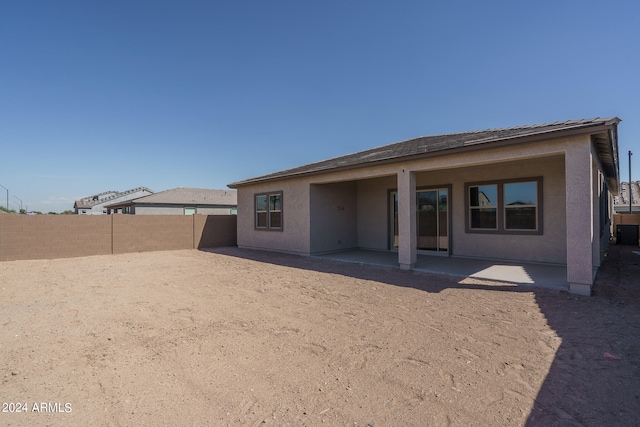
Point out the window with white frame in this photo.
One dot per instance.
(268, 211)
(507, 207)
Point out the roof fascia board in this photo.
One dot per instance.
(614, 181)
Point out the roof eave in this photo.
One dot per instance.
(614, 180)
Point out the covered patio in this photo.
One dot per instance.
(536, 198)
(550, 276)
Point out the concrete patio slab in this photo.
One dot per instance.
(542, 275)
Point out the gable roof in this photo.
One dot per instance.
(425, 146)
(106, 196)
(628, 191)
(190, 196)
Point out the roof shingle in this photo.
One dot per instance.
(426, 145)
(195, 196)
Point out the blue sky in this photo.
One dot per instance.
(98, 96)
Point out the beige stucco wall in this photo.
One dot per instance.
(373, 212)
(159, 210)
(179, 210)
(222, 210)
(294, 237)
(306, 202)
(333, 217)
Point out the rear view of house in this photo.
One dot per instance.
(537, 193)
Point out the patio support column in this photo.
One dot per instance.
(579, 217)
(407, 239)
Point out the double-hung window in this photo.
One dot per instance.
(505, 207)
(268, 211)
(521, 206)
(483, 207)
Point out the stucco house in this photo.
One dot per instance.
(537, 193)
(97, 204)
(182, 201)
(627, 191)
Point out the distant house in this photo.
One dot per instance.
(182, 201)
(621, 201)
(97, 204)
(536, 193)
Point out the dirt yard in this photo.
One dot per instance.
(236, 337)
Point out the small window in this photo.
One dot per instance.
(189, 210)
(268, 211)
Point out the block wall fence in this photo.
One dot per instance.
(625, 218)
(66, 236)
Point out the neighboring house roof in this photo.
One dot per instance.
(605, 131)
(190, 196)
(621, 201)
(106, 196)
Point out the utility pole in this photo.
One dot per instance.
(7, 196)
(20, 202)
(630, 153)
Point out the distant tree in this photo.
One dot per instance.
(68, 212)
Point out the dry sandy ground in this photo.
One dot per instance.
(235, 337)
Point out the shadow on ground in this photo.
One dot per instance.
(594, 379)
(425, 281)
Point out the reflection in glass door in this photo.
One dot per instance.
(432, 220)
(394, 220)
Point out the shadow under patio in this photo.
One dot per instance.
(549, 276)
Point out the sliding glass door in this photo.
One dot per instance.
(432, 219)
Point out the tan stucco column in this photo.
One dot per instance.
(579, 208)
(407, 239)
